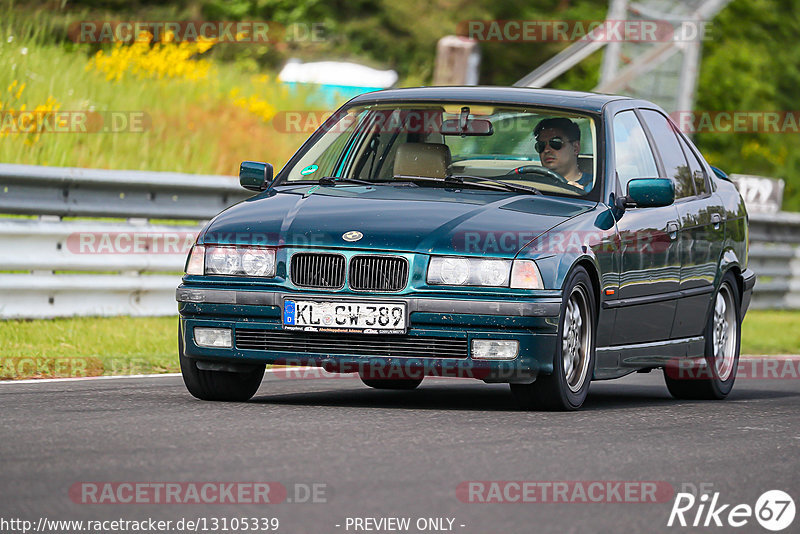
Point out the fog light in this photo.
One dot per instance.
(494, 349)
(213, 337)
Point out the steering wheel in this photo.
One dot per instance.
(549, 175)
(541, 171)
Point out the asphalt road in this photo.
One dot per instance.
(393, 454)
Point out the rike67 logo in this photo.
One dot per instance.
(774, 510)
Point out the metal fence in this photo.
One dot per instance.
(89, 241)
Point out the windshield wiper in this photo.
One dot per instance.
(330, 180)
(490, 183)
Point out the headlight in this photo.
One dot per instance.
(223, 260)
(258, 261)
(444, 270)
(232, 261)
(453, 271)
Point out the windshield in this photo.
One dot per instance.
(429, 145)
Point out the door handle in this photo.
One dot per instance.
(716, 218)
(672, 229)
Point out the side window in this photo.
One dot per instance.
(631, 150)
(666, 141)
(698, 174)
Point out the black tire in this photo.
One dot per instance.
(714, 381)
(399, 383)
(555, 392)
(218, 385)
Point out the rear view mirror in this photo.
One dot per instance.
(255, 175)
(650, 192)
(469, 127)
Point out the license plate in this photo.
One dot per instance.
(345, 316)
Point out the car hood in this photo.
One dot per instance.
(393, 218)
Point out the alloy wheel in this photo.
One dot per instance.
(724, 333)
(576, 336)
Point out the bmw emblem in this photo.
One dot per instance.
(352, 235)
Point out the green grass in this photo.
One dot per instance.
(88, 346)
(125, 345)
(771, 332)
(192, 127)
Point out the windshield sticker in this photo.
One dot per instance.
(311, 169)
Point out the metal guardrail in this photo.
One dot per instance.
(54, 267)
(775, 257)
(51, 267)
(72, 192)
(781, 227)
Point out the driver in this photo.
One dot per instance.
(558, 142)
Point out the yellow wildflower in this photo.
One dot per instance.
(166, 59)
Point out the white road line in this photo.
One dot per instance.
(82, 378)
(114, 377)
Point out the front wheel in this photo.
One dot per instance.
(714, 378)
(219, 385)
(567, 387)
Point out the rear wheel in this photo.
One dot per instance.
(715, 378)
(566, 388)
(219, 385)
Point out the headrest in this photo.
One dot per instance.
(422, 159)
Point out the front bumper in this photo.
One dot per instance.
(441, 329)
(748, 283)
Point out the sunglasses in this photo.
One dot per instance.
(556, 143)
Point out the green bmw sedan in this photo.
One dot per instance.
(538, 238)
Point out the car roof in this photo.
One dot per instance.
(576, 100)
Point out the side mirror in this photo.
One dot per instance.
(255, 175)
(720, 173)
(649, 193)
